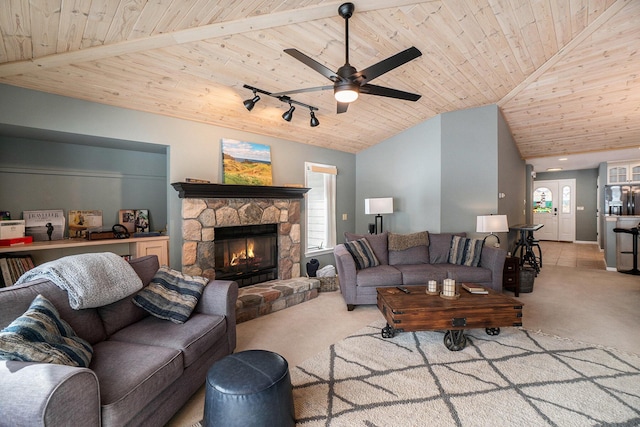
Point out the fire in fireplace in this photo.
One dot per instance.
(247, 254)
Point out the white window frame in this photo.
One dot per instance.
(328, 175)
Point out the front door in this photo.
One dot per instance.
(554, 207)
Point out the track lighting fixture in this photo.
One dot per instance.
(314, 121)
(287, 115)
(250, 103)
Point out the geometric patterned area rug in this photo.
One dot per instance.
(517, 378)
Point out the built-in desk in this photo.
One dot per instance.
(134, 246)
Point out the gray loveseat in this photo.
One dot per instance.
(143, 368)
(414, 265)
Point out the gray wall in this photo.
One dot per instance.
(512, 181)
(586, 196)
(71, 176)
(193, 148)
(444, 172)
(406, 167)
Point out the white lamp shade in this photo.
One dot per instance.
(492, 224)
(382, 205)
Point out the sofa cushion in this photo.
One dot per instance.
(131, 376)
(362, 254)
(171, 295)
(192, 338)
(17, 298)
(439, 245)
(378, 243)
(460, 273)
(465, 251)
(409, 248)
(40, 335)
(382, 275)
(122, 313)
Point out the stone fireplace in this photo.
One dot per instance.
(208, 207)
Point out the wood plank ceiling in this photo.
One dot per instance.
(564, 72)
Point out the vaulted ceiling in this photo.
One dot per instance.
(565, 73)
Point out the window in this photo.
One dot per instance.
(542, 200)
(320, 206)
(566, 199)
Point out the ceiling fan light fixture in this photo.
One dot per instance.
(314, 121)
(289, 113)
(346, 92)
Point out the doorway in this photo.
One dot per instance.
(554, 206)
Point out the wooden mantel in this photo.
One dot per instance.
(189, 190)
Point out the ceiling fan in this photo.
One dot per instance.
(348, 82)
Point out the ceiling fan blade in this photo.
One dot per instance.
(309, 89)
(313, 64)
(389, 64)
(342, 107)
(388, 92)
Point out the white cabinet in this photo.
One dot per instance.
(160, 248)
(623, 173)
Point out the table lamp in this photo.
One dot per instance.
(492, 224)
(378, 207)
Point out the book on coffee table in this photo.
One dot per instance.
(474, 289)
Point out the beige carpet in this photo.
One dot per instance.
(593, 306)
(517, 378)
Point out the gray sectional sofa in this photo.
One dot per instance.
(143, 369)
(414, 263)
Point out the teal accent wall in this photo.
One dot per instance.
(192, 149)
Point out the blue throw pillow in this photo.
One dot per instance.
(465, 251)
(362, 253)
(171, 295)
(40, 335)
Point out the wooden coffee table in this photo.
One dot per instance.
(418, 311)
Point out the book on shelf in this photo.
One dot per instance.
(16, 241)
(14, 266)
(474, 289)
(82, 221)
(44, 225)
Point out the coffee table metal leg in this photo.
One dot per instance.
(388, 332)
(455, 340)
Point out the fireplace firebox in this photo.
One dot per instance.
(247, 254)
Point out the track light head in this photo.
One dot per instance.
(250, 103)
(314, 121)
(289, 113)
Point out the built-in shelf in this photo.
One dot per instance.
(191, 190)
(134, 246)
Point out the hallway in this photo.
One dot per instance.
(579, 255)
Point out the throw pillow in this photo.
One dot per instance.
(40, 335)
(409, 248)
(439, 246)
(362, 254)
(465, 251)
(378, 243)
(171, 295)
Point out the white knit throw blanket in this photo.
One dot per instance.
(91, 280)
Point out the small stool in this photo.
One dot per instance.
(249, 388)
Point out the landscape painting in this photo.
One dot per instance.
(246, 163)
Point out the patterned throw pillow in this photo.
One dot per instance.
(171, 295)
(40, 335)
(465, 251)
(362, 253)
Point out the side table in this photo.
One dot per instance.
(511, 274)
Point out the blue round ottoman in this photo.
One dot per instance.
(249, 388)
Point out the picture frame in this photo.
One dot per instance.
(83, 221)
(246, 163)
(127, 218)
